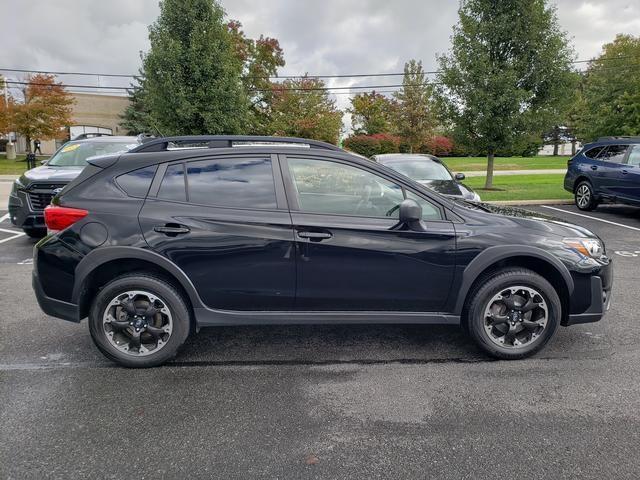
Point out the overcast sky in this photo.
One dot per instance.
(319, 37)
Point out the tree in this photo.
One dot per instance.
(415, 120)
(192, 76)
(302, 108)
(136, 118)
(261, 59)
(610, 92)
(46, 110)
(371, 113)
(508, 68)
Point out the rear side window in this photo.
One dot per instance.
(614, 153)
(634, 156)
(172, 186)
(137, 182)
(593, 153)
(232, 182)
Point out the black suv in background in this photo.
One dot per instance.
(605, 171)
(188, 232)
(35, 188)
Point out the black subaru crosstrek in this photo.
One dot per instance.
(35, 188)
(188, 232)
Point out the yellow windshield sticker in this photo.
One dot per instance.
(70, 148)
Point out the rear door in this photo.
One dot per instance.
(224, 221)
(630, 176)
(609, 173)
(351, 254)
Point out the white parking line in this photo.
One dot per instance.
(592, 218)
(4, 217)
(17, 235)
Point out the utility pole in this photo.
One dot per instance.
(11, 149)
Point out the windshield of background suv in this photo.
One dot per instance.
(75, 154)
(420, 169)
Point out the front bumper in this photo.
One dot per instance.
(600, 302)
(21, 214)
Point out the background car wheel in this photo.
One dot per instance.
(139, 321)
(585, 197)
(35, 232)
(512, 313)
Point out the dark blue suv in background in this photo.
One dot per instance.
(607, 170)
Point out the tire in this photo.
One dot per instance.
(177, 318)
(584, 196)
(35, 232)
(480, 300)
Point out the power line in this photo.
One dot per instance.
(353, 75)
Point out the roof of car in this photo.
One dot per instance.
(391, 157)
(613, 141)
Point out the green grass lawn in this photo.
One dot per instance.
(13, 167)
(470, 164)
(522, 187)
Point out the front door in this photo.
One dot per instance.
(229, 231)
(351, 256)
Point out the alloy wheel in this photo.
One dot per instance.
(583, 195)
(137, 323)
(516, 317)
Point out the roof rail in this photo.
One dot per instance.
(84, 136)
(621, 137)
(226, 141)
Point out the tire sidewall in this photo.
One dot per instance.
(499, 282)
(156, 286)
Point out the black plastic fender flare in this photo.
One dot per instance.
(493, 255)
(100, 256)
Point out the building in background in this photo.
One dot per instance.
(92, 113)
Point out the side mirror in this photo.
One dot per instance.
(411, 215)
(44, 162)
(460, 176)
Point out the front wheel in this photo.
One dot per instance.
(513, 313)
(139, 321)
(584, 196)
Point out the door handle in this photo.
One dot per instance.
(171, 230)
(594, 167)
(624, 172)
(315, 236)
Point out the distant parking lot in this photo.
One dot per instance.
(325, 401)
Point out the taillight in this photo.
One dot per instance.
(58, 218)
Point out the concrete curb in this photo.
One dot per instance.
(531, 202)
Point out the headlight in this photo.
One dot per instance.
(14, 189)
(476, 197)
(589, 247)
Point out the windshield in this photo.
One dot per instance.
(420, 169)
(75, 154)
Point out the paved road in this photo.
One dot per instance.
(324, 402)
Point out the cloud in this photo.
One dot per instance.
(329, 37)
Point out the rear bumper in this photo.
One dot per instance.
(53, 307)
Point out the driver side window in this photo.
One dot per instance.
(337, 189)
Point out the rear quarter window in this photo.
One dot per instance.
(593, 152)
(137, 182)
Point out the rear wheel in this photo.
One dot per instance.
(139, 321)
(513, 313)
(585, 197)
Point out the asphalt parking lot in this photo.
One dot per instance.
(326, 401)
